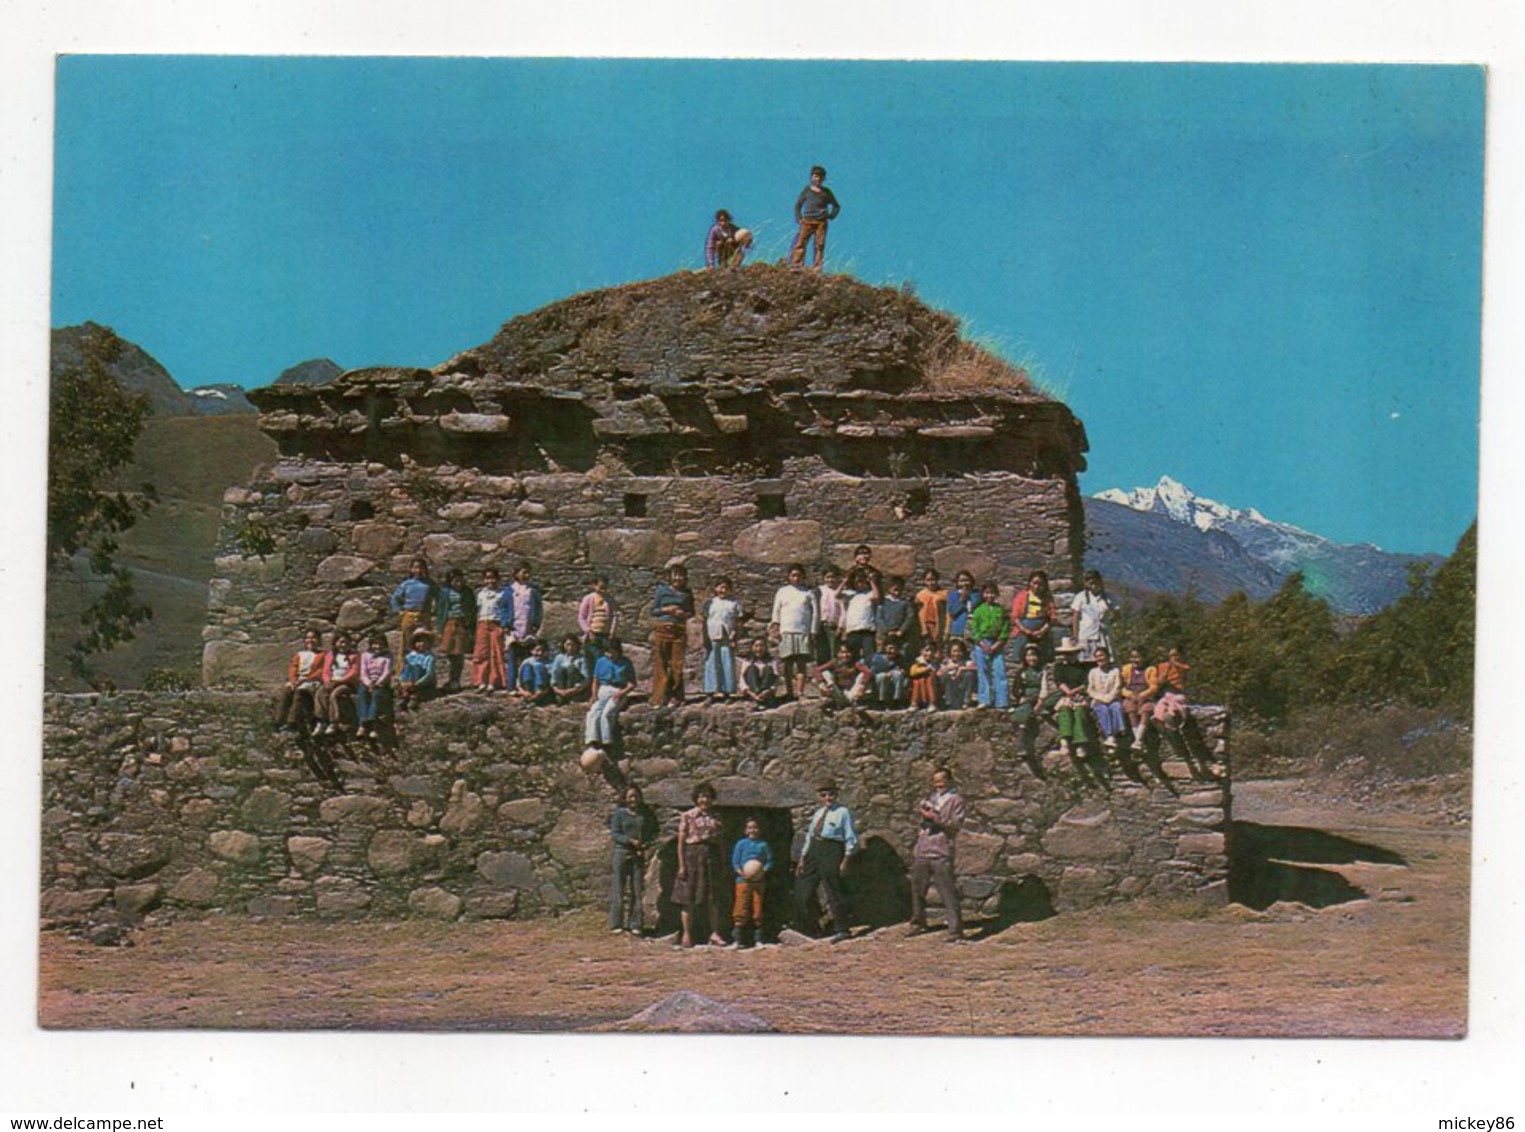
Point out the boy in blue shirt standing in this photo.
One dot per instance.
(746, 913)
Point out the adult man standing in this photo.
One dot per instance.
(941, 814)
(830, 843)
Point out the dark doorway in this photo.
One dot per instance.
(777, 829)
(878, 885)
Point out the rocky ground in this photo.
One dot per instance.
(1385, 956)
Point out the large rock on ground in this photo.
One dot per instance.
(686, 1012)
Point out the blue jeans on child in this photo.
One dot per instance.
(990, 671)
(720, 669)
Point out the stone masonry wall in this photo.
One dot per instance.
(344, 533)
(166, 805)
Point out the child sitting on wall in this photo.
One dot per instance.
(1104, 685)
(569, 672)
(415, 680)
(891, 682)
(844, 680)
(956, 676)
(923, 675)
(759, 678)
(534, 677)
(373, 699)
(341, 676)
(296, 705)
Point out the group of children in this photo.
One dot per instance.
(726, 243)
(858, 639)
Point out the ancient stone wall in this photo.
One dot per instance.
(343, 535)
(167, 805)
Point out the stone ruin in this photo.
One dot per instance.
(734, 422)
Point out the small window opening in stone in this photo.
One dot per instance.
(361, 509)
(635, 505)
(918, 500)
(770, 507)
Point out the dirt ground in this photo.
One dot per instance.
(1386, 956)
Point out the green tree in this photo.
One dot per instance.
(93, 424)
(1420, 649)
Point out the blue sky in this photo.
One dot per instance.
(1264, 281)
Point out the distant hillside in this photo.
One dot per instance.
(316, 371)
(139, 372)
(1165, 537)
(191, 460)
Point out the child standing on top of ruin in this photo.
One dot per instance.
(455, 612)
(718, 619)
(931, 603)
(813, 210)
(796, 618)
(373, 699)
(569, 672)
(988, 630)
(487, 663)
(962, 600)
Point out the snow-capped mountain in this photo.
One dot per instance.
(1352, 578)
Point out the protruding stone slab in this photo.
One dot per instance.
(379, 540)
(951, 559)
(554, 544)
(621, 547)
(780, 541)
(343, 569)
(475, 423)
(434, 902)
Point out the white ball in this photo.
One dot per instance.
(592, 760)
(753, 869)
